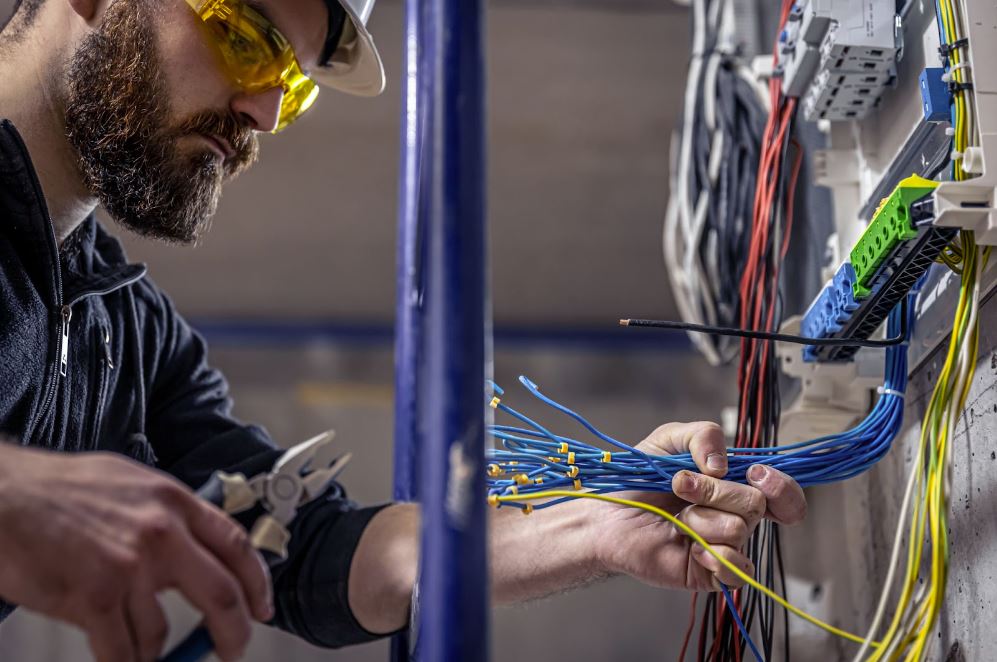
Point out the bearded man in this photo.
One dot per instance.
(109, 408)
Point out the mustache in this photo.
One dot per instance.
(242, 139)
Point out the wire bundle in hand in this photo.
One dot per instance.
(705, 237)
(532, 458)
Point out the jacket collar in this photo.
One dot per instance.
(91, 260)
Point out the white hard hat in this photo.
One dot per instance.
(355, 66)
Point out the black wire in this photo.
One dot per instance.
(778, 337)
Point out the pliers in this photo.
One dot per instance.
(300, 475)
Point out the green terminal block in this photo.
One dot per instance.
(890, 226)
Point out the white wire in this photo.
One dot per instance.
(689, 110)
(692, 264)
(894, 562)
(689, 251)
(681, 219)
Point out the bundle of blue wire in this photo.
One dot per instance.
(535, 459)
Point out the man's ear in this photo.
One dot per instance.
(90, 11)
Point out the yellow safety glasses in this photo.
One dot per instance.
(256, 55)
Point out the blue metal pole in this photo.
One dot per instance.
(453, 611)
(410, 286)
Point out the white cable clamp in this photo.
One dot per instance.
(889, 391)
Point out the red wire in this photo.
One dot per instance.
(720, 618)
(689, 627)
(790, 201)
(755, 270)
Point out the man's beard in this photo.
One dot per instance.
(118, 120)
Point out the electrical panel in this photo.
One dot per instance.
(881, 87)
(838, 56)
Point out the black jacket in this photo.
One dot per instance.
(93, 356)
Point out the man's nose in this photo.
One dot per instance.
(259, 111)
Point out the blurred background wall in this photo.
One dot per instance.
(294, 285)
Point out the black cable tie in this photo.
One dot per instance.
(945, 49)
(955, 86)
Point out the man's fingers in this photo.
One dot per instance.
(717, 526)
(109, 637)
(147, 625)
(784, 496)
(704, 441)
(720, 571)
(215, 592)
(221, 535)
(743, 500)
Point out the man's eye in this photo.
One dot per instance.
(240, 44)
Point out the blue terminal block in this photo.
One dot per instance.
(843, 298)
(935, 96)
(831, 310)
(816, 320)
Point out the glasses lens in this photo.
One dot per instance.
(251, 60)
(257, 56)
(299, 94)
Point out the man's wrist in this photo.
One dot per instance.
(590, 536)
(545, 552)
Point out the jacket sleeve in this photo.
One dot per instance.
(192, 433)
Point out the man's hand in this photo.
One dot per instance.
(91, 539)
(645, 546)
(573, 543)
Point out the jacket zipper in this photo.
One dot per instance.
(62, 349)
(67, 316)
(107, 350)
(64, 308)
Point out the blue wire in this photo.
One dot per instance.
(740, 625)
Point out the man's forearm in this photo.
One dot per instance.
(531, 556)
(545, 552)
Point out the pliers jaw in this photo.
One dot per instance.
(300, 475)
